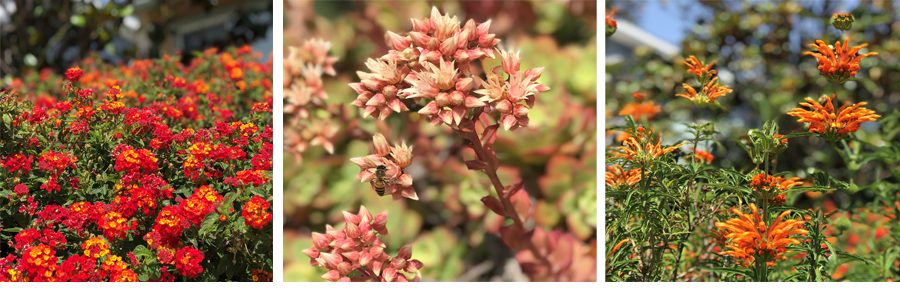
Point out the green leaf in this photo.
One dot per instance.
(745, 273)
(78, 20)
(209, 225)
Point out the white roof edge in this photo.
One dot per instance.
(631, 35)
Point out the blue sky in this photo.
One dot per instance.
(668, 20)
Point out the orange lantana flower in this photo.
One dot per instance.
(616, 176)
(840, 63)
(750, 238)
(823, 118)
(642, 146)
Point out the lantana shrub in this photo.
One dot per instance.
(150, 171)
(455, 75)
(674, 214)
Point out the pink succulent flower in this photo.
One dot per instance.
(449, 94)
(514, 96)
(432, 66)
(442, 37)
(356, 252)
(397, 183)
(304, 94)
(379, 90)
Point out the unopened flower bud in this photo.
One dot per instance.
(842, 20)
(381, 145)
(396, 41)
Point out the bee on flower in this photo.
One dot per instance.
(388, 162)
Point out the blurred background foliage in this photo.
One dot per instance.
(758, 46)
(58, 33)
(451, 231)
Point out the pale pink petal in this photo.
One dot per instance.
(508, 122)
(430, 109)
(377, 100)
(405, 180)
(397, 105)
(382, 148)
(473, 102)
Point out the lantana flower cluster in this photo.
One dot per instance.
(432, 69)
(158, 170)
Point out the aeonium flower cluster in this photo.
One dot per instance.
(305, 95)
(432, 67)
(356, 252)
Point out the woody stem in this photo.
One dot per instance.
(491, 171)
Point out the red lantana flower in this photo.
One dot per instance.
(187, 262)
(256, 213)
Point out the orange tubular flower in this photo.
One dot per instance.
(711, 92)
(838, 64)
(616, 176)
(823, 118)
(749, 237)
(643, 146)
(696, 67)
(704, 156)
(640, 110)
(765, 182)
(611, 24)
(618, 246)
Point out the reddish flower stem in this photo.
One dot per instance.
(485, 154)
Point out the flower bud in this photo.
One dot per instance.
(320, 240)
(405, 253)
(389, 274)
(842, 20)
(504, 107)
(381, 145)
(457, 98)
(332, 276)
(396, 41)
